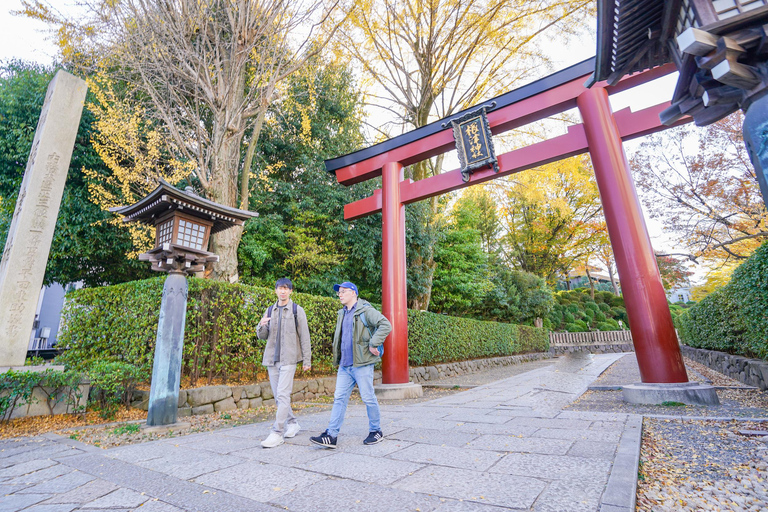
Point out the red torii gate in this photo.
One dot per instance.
(601, 134)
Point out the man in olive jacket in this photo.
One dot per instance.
(358, 344)
(285, 328)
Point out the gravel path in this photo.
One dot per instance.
(692, 464)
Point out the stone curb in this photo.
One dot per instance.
(621, 491)
(73, 443)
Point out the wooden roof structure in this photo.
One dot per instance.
(166, 197)
(718, 46)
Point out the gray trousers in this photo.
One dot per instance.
(281, 380)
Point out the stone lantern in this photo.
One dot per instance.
(183, 224)
(719, 47)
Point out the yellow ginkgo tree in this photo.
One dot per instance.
(199, 77)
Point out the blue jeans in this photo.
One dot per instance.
(346, 379)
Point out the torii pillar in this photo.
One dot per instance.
(662, 370)
(395, 375)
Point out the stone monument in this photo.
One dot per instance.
(29, 237)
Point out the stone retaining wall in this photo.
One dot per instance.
(752, 372)
(424, 374)
(210, 399)
(596, 348)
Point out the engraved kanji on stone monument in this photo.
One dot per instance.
(29, 238)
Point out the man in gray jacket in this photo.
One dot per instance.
(358, 344)
(285, 328)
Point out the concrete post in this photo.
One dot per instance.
(166, 369)
(34, 220)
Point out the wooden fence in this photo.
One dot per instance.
(569, 339)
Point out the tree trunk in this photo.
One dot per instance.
(591, 284)
(613, 280)
(223, 189)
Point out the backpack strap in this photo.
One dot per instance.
(365, 323)
(295, 316)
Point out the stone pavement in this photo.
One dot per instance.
(506, 445)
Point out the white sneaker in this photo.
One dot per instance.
(291, 430)
(274, 439)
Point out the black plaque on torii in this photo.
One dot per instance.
(474, 141)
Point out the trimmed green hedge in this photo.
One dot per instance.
(734, 318)
(434, 338)
(119, 323)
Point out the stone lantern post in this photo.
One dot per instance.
(183, 224)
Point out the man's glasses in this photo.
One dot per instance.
(342, 290)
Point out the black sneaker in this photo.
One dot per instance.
(374, 437)
(325, 440)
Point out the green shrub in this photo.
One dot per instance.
(575, 328)
(16, 389)
(616, 301)
(600, 317)
(573, 308)
(734, 318)
(119, 324)
(605, 326)
(568, 318)
(592, 306)
(589, 314)
(113, 384)
(582, 324)
(605, 308)
(619, 313)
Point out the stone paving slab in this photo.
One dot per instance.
(85, 493)
(60, 484)
(605, 436)
(347, 495)
(158, 506)
(477, 460)
(593, 449)
(188, 496)
(286, 455)
(45, 507)
(120, 498)
(467, 506)
(187, 463)
(494, 489)
(553, 467)
(222, 444)
(502, 445)
(39, 476)
(363, 468)
(570, 496)
(436, 437)
(16, 502)
(23, 468)
(259, 482)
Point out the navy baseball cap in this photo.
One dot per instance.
(345, 284)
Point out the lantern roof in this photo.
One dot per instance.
(167, 197)
(632, 36)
